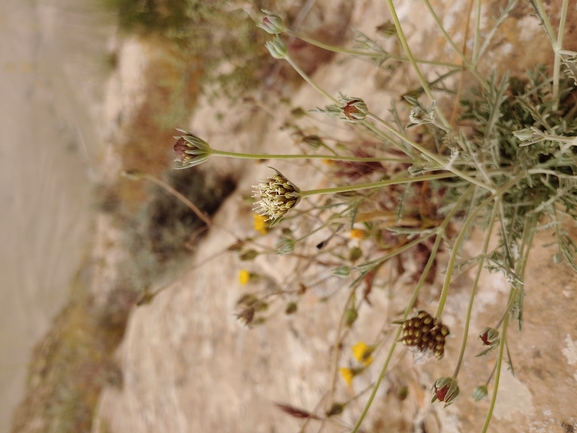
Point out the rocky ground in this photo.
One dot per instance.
(187, 365)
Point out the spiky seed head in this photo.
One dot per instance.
(425, 334)
(276, 196)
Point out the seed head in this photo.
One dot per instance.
(445, 389)
(276, 196)
(190, 149)
(425, 334)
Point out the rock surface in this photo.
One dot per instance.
(190, 367)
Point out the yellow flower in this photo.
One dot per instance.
(362, 353)
(358, 234)
(260, 224)
(348, 374)
(243, 276)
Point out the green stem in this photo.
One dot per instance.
(377, 55)
(430, 154)
(477, 37)
(409, 53)
(543, 15)
(474, 291)
(557, 62)
(308, 80)
(440, 230)
(461, 236)
(378, 184)
(466, 61)
(497, 374)
(226, 154)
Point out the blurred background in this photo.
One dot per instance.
(89, 89)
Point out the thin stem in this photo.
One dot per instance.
(543, 15)
(308, 80)
(461, 237)
(378, 184)
(477, 36)
(377, 55)
(440, 230)
(226, 154)
(430, 154)
(497, 373)
(474, 291)
(407, 49)
(466, 61)
(557, 62)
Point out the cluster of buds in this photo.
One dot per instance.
(425, 334)
(446, 390)
(276, 196)
(190, 149)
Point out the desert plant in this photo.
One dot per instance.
(512, 171)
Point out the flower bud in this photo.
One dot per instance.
(342, 271)
(489, 337)
(445, 389)
(355, 110)
(190, 149)
(480, 393)
(285, 246)
(272, 24)
(277, 48)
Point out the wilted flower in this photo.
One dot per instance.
(363, 353)
(277, 48)
(354, 170)
(445, 389)
(190, 149)
(272, 24)
(276, 196)
(425, 333)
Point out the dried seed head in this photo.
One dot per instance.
(445, 389)
(425, 334)
(276, 196)
(190, 149)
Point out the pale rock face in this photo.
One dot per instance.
(189, 367)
